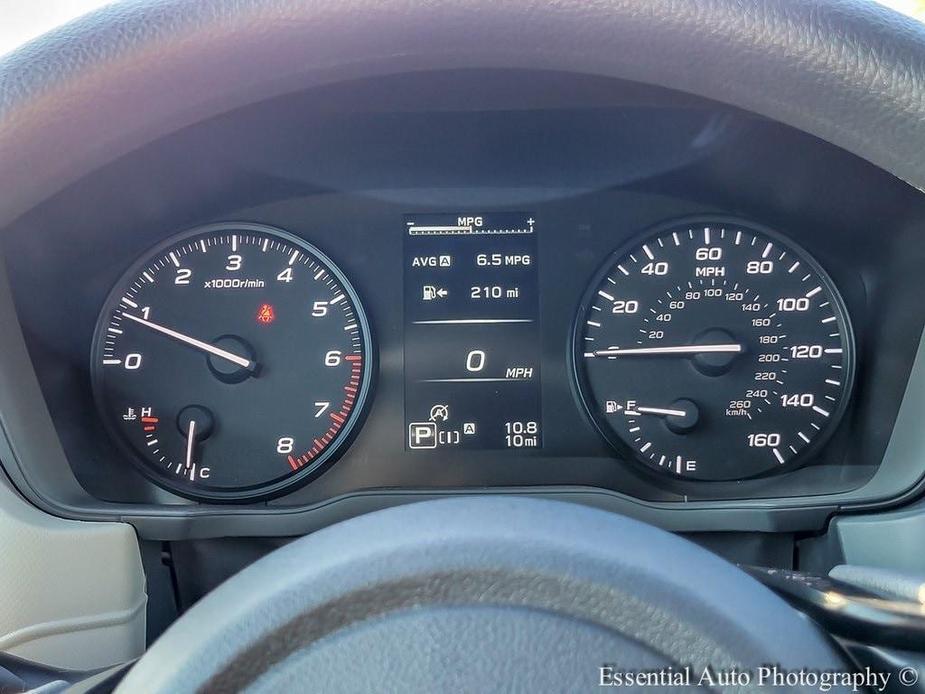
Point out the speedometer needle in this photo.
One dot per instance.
(193, 342)
(681, 349)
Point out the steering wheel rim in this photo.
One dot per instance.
(847, 71)
(495, 586)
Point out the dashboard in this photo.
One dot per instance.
(571, 286)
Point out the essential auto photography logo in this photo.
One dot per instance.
(774, 676)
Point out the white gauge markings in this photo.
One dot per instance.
(719, 296)
(125, 354)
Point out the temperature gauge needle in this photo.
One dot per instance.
(680, 349)
(193, 342)
(190, 442)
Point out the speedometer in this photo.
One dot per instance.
(232, 362)
(714, 350)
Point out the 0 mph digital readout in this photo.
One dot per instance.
(472, 352)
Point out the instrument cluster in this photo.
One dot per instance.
(235, 361)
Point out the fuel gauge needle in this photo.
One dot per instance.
(664, 412)
(681, 416)
(192, 342)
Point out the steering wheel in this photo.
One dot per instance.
(480, 594)
(475, 593)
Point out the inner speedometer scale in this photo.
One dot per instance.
(714, 350)
(232, 361)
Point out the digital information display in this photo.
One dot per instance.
(472, 341)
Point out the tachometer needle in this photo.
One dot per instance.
(193, 342)
(190, 441)
(680, 349)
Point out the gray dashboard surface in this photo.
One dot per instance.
(847, 71)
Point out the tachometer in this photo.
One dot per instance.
(714, 350)
(232, 361)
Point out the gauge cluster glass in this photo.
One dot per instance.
(232, 361)
(601, 174)
(714, 350)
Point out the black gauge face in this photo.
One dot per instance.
(233, 361)
(714, 351)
